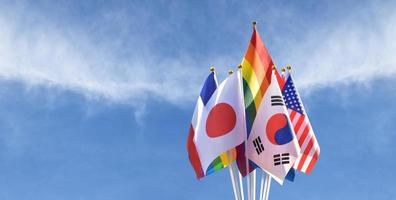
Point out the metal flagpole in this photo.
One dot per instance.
(241, 186)
(234, 172)
(239, 174)
(252, 175)
(248, 184)
(252, 181)
(234, 178)
(262, 184)
(265, 185)
(235, 186)
(267, 190)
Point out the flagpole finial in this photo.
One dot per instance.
(273, 67)
(230, 72)
(239, 66)
(283, 69)
(212, 69)
(254, 24)
(289, 67)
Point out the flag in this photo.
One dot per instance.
(282, 81)
(310, 149)
(256, 72)
(217, 126)
(272, 144)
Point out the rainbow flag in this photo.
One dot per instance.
(256, 73)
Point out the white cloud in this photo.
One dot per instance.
(46, 56)
(356, 49)
(40, 53)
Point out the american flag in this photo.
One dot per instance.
(306, 138)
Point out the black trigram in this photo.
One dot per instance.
(277, 101)
(258, 145)
(281, 159)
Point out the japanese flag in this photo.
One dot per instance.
(218, 123)
(272, 144)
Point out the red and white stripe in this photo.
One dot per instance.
(306, 139)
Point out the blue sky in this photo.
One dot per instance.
(96, 97)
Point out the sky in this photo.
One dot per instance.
(96, 97)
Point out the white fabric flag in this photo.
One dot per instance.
(220, 124)
(272, 144)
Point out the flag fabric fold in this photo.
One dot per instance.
(218, 125)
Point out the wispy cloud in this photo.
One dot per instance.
(355, 49)
(126, 67)
(71, 59)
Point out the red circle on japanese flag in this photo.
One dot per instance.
(221, 120)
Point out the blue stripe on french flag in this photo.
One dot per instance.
(209, 88)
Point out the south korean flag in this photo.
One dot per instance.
(272, 144)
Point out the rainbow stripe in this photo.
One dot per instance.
(256, 72)
(221, 162)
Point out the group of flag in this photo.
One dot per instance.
(254, 117)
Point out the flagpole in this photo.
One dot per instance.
(241, 186)
(233, 177)
(248, 187)
(234, 172)
(263, 184)
(251, 178)
(235, 167)
(267, 189)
